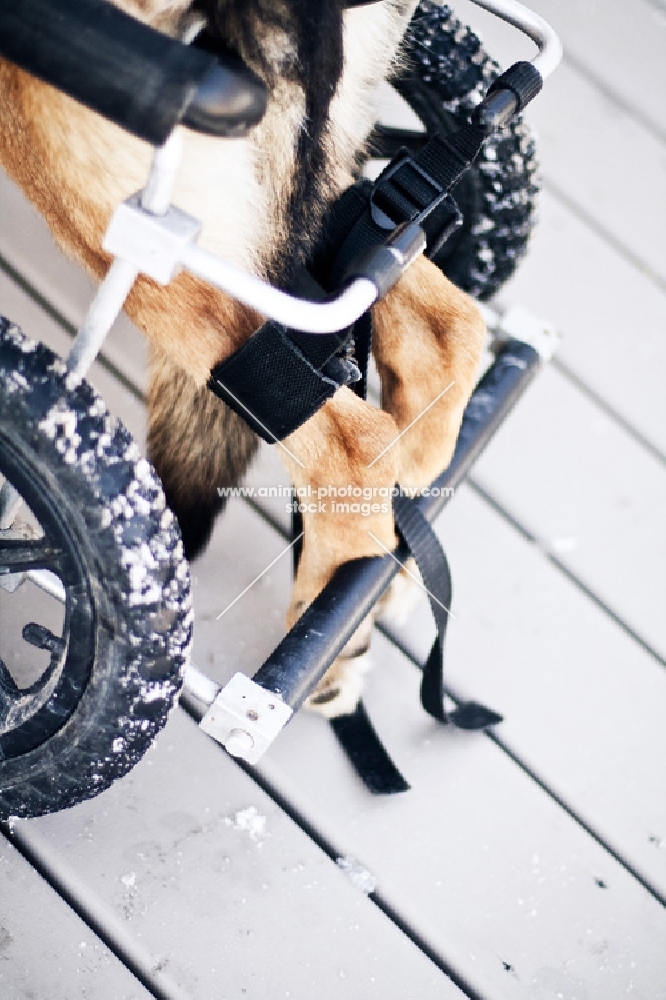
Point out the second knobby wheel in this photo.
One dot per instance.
(445, 72)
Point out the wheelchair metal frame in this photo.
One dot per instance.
(147, 235)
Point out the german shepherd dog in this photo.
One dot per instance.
(262, 200)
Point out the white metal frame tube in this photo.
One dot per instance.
(531, 24)
(101, 315)
(300, 314)
(156, 196)
(116, 286)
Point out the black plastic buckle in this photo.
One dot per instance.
(405, 192)
(446, 226)
(400, 196)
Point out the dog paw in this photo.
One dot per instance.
(340, 689)
(397, 604)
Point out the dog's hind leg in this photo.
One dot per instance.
(197, 444)
(428, 341)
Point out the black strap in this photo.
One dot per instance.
(412, 188)
(433, 566)
(355, 733)
(367, 754)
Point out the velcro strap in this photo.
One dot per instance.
(355, 733)
(273, 386)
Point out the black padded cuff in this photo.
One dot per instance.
(270, 384)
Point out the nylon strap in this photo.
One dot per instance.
(355, 733)
(433, 566)
(413, 187)
(367, 754)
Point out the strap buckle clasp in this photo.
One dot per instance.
(406, 192)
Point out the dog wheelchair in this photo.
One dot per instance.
(83, 515)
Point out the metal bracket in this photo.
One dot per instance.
(152, 243)
(245, 718)
(518, 323)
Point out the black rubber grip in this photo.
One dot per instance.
(523, 80)
(132, 75)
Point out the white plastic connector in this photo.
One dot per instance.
(152, 243)
(518, 323)
(245, 718)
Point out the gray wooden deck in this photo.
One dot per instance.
(528, 864)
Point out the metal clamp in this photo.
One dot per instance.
(154, 244)
(518, 323)
(245, 718)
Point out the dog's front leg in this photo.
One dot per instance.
(344, 449)
(428, 339)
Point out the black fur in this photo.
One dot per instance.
(315, 28)
(192, 472)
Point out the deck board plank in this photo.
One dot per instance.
(581, 700)
(213, 905)
(492, 873)
(591, 496)
(621, 45)
(611, 316)
(46, 950)
(599, 154)
(618, 172)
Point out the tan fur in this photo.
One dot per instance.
(427, 335)
(76, 168)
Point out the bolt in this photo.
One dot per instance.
(239, 743)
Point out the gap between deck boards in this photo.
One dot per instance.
(504, 512)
